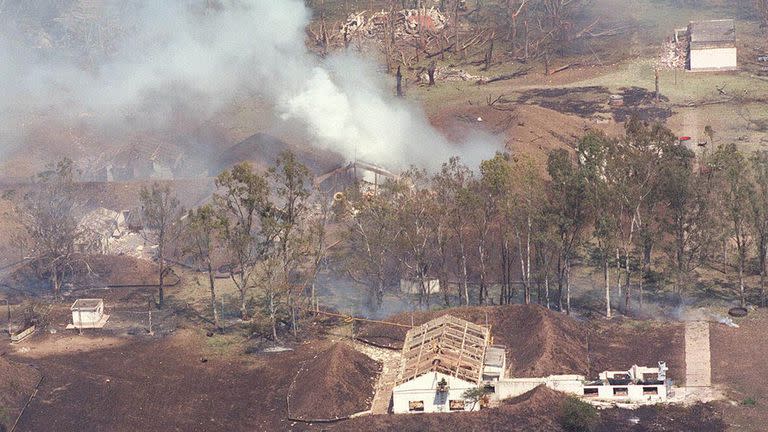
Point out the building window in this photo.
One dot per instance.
(620, 391)
(490, 389)
(456, 405)
(650, 391)
(416, 406)
(590, 391)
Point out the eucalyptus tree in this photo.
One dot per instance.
(759, 214)
(201, 229)
(47, 212)
(632, 170)
(568, 212)
(736, 192)
(452, 188)
(244, 209)
(602, 196)
(160, 213)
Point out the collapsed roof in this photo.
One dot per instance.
(448, 345)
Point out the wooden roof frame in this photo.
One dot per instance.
(448, 345)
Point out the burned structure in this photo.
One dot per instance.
(443, 359)
(366, 176)
(451, 365)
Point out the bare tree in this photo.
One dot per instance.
(160, 212)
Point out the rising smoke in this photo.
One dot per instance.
(159, 61)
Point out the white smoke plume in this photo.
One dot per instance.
(181, 55)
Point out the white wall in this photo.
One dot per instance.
(634, 394)
(424, 388)
(716, 58)
(87, 317)
(513, 387)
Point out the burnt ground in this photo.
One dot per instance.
(739, 363)
(188, 382)
(589, 101)
(164, 385)
(17, 382)
(542, 342)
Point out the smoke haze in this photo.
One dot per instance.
(157, 62)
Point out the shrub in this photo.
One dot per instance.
(750, 401)
(578, 416)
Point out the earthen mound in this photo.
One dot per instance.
(336, 383)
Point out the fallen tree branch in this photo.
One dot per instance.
(504, 77)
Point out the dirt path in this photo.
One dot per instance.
(698, 370)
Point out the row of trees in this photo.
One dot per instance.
(619, 205)
(641, 208)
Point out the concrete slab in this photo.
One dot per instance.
(698, 367)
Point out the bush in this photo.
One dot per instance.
(750, 401)
(578, 416)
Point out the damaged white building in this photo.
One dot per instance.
(444, 358)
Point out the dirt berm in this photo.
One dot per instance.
(336, 383)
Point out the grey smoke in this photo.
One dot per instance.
(177, 56)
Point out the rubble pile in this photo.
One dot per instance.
(673, 55)
(451, 74)
(405, 23)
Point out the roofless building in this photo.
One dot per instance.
(441, 360)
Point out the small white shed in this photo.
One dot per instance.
(712, 45)
(88, 313)
(413, 286)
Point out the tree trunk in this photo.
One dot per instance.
(628, 286)
(481, 251)
(273, 314)
(399, 78)
(528, 263)
(464, 273)
(762, 269)
(212, 287)
(618, 274)
(431, 73)
(606, 274)
(742, 257)
(567, 287)
(160, 292)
